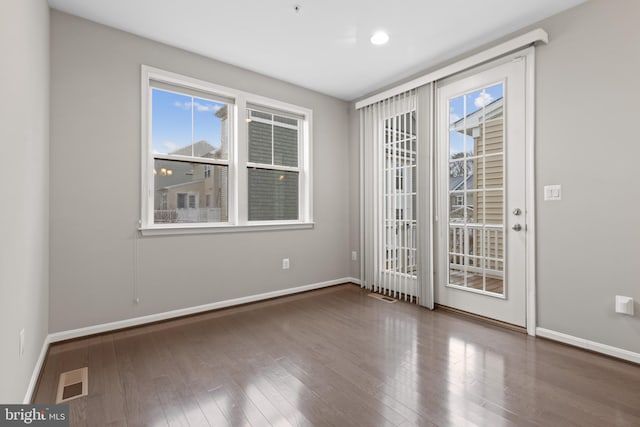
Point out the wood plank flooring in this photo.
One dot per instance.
(335, 357)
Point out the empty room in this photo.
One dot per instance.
(271, 212)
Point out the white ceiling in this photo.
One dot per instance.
(325, 46)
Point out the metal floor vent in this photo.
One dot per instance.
(73, 384)
(383, 298)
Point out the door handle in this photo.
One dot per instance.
(516, 227)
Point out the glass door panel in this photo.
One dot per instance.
(476, 190)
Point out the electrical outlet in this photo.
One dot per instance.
(285, 263)
(354, 256)
(21, 342)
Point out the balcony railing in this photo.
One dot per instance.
(163, 216)
(476, 248)
(472, 247)
(400, 245)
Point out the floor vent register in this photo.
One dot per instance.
(383, 298)
(73, 384)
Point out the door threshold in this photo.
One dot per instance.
(494, 322)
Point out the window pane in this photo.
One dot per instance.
(285, 149)
(170, 121)
(260, 115)
(286, 120)
(273, 139)
(493, 207)
(456, 111)
(185, 193)
(491, 172)
(210, 129)
(181, 200)
(273, 195)
(475, 101)
(188, 126)
(260, 140)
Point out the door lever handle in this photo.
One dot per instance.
(516, 227)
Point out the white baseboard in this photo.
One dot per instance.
(354, 280)
(589, 345)
(36, 371)
(136, 321)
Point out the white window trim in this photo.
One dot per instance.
(237, 163)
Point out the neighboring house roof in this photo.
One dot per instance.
(456, 182)
(182, 184)
(491, 110)
(200, 149)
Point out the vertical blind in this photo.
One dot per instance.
(394, 136)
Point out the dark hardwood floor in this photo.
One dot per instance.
(336, 357)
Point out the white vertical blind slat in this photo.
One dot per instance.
(402, 136)
(389, 140)
(394, 190)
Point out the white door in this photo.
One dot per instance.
(482, 193)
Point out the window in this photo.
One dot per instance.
(218, 159)
(189, 139)
(273, 166)
(193, 201)
(181, 200)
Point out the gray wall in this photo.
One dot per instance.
(97, 263)
(24, 217)
(587, 90)
(587, 97)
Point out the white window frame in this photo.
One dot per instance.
(237, 162)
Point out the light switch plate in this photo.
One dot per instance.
(553, 192)
(624, 305)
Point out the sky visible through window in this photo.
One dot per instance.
(474, 101)
(181, 120)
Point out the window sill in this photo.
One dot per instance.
(168, 230)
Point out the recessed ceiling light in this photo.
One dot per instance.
(380, 37)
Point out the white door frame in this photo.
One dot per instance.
(530, 180)
(528, 55)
